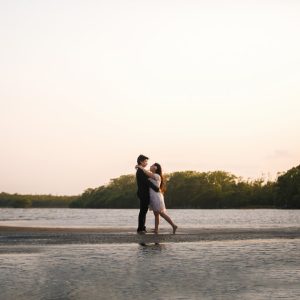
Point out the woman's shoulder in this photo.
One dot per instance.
(157, 177)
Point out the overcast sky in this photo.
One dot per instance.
(86, 86)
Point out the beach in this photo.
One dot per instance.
(111, 235)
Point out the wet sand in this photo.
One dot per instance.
(104, 235)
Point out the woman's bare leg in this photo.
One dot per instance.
(156, 215)
(168, 219)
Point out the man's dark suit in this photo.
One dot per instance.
(143, 194)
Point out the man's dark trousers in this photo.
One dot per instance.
(144, 202)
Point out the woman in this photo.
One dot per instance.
(157, 203)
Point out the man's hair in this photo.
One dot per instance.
(141, 158)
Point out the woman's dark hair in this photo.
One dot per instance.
(159, 172)
(141, 158)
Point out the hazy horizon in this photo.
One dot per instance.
(86, 86)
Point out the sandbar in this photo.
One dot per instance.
(100, 235)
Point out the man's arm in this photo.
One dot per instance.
(144, 178)
(153, 186)
(150, 184)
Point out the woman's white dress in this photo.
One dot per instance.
(157, 202)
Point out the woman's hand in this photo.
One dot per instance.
(139, 167)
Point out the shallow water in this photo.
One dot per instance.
(256, 269)
(190, 218)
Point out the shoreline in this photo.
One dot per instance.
(41, 229)
(16, 235)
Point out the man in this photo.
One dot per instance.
(143, 192)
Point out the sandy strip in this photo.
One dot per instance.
(47, 235)
(118, 230)
(16, 229)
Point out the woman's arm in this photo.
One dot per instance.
(148, 173)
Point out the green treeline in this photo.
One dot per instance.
(192, 189)
(189, 189)
(32, 201)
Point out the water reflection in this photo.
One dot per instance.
(152, 246)
(260, 269)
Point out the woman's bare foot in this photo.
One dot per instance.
(174, 229)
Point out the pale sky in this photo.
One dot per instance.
(86, 86)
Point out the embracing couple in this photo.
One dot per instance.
(150, 192)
